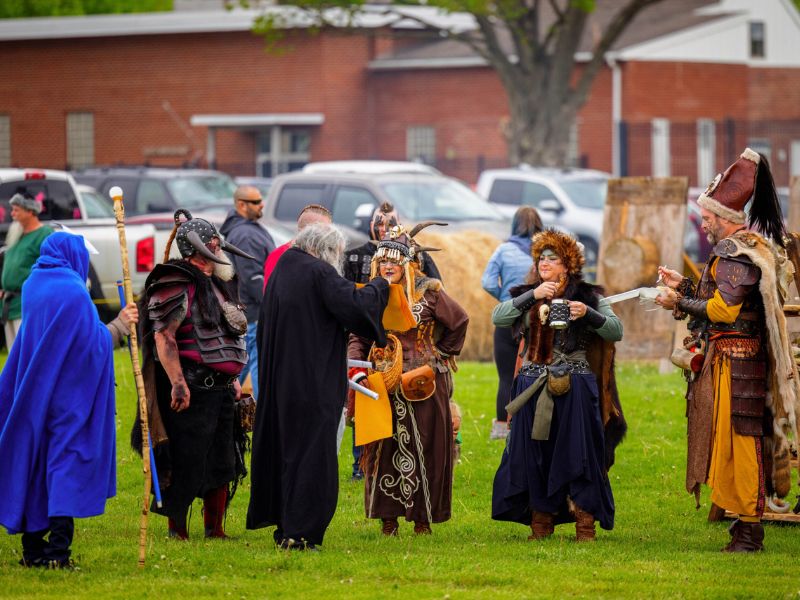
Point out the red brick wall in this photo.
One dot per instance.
(125, 81)
(468, 108)
(682, 93)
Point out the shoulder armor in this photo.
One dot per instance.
(167, 292)
(735, 279)
(731, 250)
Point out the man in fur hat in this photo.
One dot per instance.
(194, 349)
(25, 237)
(736, 445)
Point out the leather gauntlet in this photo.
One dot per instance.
(594, 318)
(696, 308)
(524, 301)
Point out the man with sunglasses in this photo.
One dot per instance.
(242, 229)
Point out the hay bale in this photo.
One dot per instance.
(461, 262)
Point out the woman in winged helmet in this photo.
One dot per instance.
(409, 475)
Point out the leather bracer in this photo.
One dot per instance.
(694, 307)
(524, 301)
(594, 318)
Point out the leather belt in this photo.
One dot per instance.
(201, 377)
(580, 367)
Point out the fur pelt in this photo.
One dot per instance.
(563, 245)
(783, 385)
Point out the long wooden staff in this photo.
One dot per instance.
(119, 211)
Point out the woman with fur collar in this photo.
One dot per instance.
(566, 418)
(410, 475)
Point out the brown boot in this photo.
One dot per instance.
(745, 537)
(390, 527)
(422, 528)
(542, 525)
(584, 526)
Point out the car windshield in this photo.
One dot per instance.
(430, 199)
(197, 192)
(587, 193)
(96, 207)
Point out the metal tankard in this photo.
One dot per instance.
(558, 317)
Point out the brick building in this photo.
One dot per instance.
(687, 86)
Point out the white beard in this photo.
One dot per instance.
(224, 272)
(14, 234)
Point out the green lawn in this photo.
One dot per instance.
(661, 546)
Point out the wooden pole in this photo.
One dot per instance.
(119, 212)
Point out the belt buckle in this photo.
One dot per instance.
(207, 379)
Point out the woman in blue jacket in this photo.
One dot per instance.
(509, 266)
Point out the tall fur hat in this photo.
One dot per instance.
(748, 177)
(564, 246)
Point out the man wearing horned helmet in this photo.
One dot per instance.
(193, 348)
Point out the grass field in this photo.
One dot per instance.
(661, 546)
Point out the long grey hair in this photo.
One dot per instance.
(323, 241)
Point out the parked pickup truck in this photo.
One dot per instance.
(83, 211)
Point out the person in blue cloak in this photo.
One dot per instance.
(57, 430)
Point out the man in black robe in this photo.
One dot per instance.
(307, 310)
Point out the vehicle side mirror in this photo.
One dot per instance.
(550, 205)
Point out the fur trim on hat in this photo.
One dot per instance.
(750, 155)
(719, 209)
(562, 244)
(27, 203)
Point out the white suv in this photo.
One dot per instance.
(570, 199)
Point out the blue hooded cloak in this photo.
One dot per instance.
(57, 429)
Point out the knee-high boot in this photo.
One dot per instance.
(214, 512)
(584, 526)
(542, 525)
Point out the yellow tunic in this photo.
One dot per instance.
(733, 473)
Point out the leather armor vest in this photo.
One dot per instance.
(741, 341)
(167, 292)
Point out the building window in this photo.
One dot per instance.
(281, 150)
(659, 148)
(706, 151)
(80, 139)
(5, 141)
(757, 40)
(421, 144)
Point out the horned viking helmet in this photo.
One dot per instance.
(194, 233)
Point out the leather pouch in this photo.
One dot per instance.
(245, 408)
(558, 379)
(418, 384)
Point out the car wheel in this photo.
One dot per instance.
(590, 252)
(96, 293)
